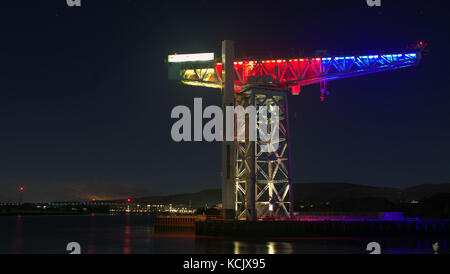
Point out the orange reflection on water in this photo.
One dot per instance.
(127, 237)
(17, 239)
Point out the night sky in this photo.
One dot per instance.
(85, 101)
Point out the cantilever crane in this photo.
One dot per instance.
(257, 184)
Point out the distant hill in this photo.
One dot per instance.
(313, 192)
(330, 192)
(426, 190)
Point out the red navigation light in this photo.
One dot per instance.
(128, 200)
(421, 45)
(21, 188)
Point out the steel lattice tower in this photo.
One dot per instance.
(262, 179)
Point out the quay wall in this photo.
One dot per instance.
(322, 228)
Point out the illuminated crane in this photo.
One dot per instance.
(257, 184)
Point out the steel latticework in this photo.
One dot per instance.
(257, 184)
(262, 179)
(290, 74)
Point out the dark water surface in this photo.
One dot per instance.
(136, 234)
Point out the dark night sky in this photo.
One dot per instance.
(85, 101)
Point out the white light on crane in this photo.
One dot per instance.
(176, 58)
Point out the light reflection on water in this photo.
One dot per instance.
(136, 234)
(127, 236)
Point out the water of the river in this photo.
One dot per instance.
(136, 234)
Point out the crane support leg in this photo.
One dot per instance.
(263, 179)
(228, 147)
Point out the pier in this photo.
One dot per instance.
(176, 221)
(323, 228)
